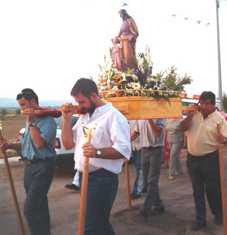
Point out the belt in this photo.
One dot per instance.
(151, 147)
(208, 155)
(99, 171)
(90, 172)
(37, 160)
(96, 171)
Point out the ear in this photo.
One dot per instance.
(94, 96)
(33, 102)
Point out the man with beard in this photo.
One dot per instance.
(205, 130)
(110, 146)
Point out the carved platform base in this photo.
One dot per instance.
(141, 108)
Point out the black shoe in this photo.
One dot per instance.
(144, 190)
(157, 210)
(135, 196)
(218, 220)
(72, 187)
(198, 226)
(144, 213)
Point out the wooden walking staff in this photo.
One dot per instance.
(13, 191)
(222, 178)
(84, 186)
(127, 177)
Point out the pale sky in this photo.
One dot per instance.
(48, 44)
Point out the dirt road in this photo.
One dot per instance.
(64, 207)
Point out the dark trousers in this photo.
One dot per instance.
(102, 190)
(205, 177)
(151, 162)
(37, 180)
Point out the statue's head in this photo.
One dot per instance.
(124, 14)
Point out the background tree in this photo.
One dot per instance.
(3, 113)
(224, 101)
(17, 111)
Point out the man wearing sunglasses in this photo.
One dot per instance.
(37, 150)
(205, 130)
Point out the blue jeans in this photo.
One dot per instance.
(37, 180)
(174, 164)
(102, 190)
(136, 160)
(151, 162)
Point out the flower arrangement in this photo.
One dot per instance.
(141, 81)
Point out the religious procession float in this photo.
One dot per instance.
(126, 79)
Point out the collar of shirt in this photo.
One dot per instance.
(211, 115)
(98, 111)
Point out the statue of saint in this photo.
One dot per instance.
(123, 51)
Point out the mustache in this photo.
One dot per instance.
(90, 110)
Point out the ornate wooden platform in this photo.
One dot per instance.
(139, 107)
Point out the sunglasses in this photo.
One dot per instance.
(27, 96)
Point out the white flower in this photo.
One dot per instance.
(115, 88)
(135, 85)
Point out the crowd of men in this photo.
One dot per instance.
(114, 140)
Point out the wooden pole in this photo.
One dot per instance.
(13, 191)
(127, 177)
(222, 178)
(84, 189)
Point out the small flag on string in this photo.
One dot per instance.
(197, 21)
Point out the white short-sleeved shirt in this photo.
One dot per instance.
(174, 133)
(134, 126)
(111, 129)
(202, 134)
(148, 137)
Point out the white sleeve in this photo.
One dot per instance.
(120, 134)
(75, 128)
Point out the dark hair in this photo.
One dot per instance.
(84, 86)
(208, 95)
(28, 94)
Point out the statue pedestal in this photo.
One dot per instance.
(142, 108)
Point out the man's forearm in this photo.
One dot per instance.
(186, 123)
(221, 138)
(67, 134)
(110, 153)
(15, 146)
(36, 137)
